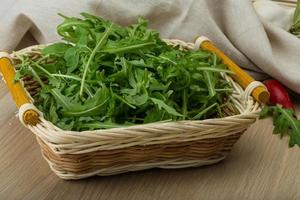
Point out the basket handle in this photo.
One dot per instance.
(29, 116)
(260, 93)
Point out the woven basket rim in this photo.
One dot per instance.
(252, 113)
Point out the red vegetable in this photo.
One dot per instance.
(278, 94)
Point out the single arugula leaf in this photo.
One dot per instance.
(68, 27)
(163, 105)
(71, 57)
(61, 100)
(285, 123)
(92, 106)
(56, 48)
(137, 100)
(86, 110)
(83, 37)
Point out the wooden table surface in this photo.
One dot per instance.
(261, 166)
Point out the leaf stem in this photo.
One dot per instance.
(127, 48)
(36, 76)
(98, 46)
(210, 85)
(184, 104)
(200, 114)
(214, 70)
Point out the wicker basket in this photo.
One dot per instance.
(76, 155)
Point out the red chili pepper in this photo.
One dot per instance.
(278, 94)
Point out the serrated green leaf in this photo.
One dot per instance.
(162, 105)
(285, 123)
(56, 48)
(71, 57)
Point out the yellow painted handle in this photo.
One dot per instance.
(260, 93)
(19, 95)
(8, 71)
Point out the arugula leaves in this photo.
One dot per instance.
(295, 29)
(103, 75)
(285, 123)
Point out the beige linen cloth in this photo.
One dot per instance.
(255, 37)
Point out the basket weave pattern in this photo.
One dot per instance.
(75, 155)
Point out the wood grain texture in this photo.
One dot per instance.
(261, 166)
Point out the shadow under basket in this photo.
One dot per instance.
(177, 144)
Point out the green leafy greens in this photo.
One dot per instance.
(295, 29)
(284, 122)
(103, 76)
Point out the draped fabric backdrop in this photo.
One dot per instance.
(253, 36)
